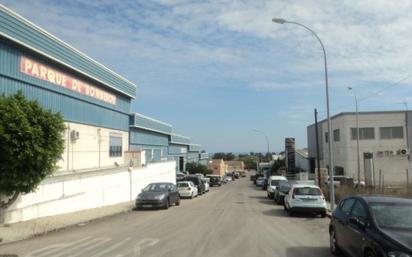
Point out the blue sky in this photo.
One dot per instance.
(216, 70)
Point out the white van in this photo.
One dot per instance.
(273, 184)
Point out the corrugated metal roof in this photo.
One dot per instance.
(25, 33)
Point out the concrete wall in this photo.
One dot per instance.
(75, 192)
(392, 167)
(91, 150)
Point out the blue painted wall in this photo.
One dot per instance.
(74, 106)
(16, 28)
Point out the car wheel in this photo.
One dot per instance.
(166, 204)
(334, 248)
(370, 253)
(178, 201)
(323, 215)
(290, 212)
(191, 197)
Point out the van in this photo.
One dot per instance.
(273, 185)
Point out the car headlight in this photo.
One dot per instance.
(160, 197)
(398, 254)
(139, 197)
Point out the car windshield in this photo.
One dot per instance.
(392, 215)
(182, 184)
(275, 182)
(307, 191)
(156, 188)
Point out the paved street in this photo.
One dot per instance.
(234, 220)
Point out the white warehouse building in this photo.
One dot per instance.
(382, 141)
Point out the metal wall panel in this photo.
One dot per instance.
(144, 137)
(195, 148)
(177, 149)
(10, 68)
(145, 122)
(178, 139)
(72, 109)
(19, 29)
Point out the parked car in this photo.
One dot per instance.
(242, 174)
(227, 179)
(187, 189)
(158, 195)
(180, 176)
(198, 183)
(206, 183)
(260, 181)
(372, 226)
(305, 199)
(236, 174)
(265, 184)
(282, 191)
(215, 180)
(273, 184)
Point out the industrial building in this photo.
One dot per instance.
(94, 101)
(383, 145)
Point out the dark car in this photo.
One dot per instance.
(158, 195)
(215, 180)
(201, 189)
(284, 187)
(370, 226)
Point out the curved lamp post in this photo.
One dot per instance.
(266, 137)
(331, 181)
(357, 132)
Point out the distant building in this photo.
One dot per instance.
(235, 165)
(218, 166)
(383, 145)
(302, 160)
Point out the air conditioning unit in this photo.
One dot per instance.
(390, 153)
(74, 135)
(403, 151)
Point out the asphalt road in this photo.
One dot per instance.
(233, 220)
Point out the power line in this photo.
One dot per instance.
(376, 92)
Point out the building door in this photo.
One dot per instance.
(181, 163)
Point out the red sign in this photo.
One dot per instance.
(41, 71)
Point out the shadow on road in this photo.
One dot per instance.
(277, 212)
(308, 251)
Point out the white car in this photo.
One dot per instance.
(187, 189)
(260, 181)
(273, 185)
(227, 179)
(305, 199)
(207, 184)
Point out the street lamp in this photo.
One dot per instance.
(266, 137)
(357, 132)
(332, 186)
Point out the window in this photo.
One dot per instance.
(326, 137)
(346, 205)
(391, 132)
(364, 133)
(336, 135)
(339, 171)
(358, 210)
(115, 145)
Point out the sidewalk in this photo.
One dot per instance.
(31, 228)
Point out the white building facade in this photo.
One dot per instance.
(382, 142)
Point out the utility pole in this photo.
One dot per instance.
(317, 147)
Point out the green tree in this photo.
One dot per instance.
(194, 168)
(31, 143)
(230, 157)
(276, 165)
(219, 156)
